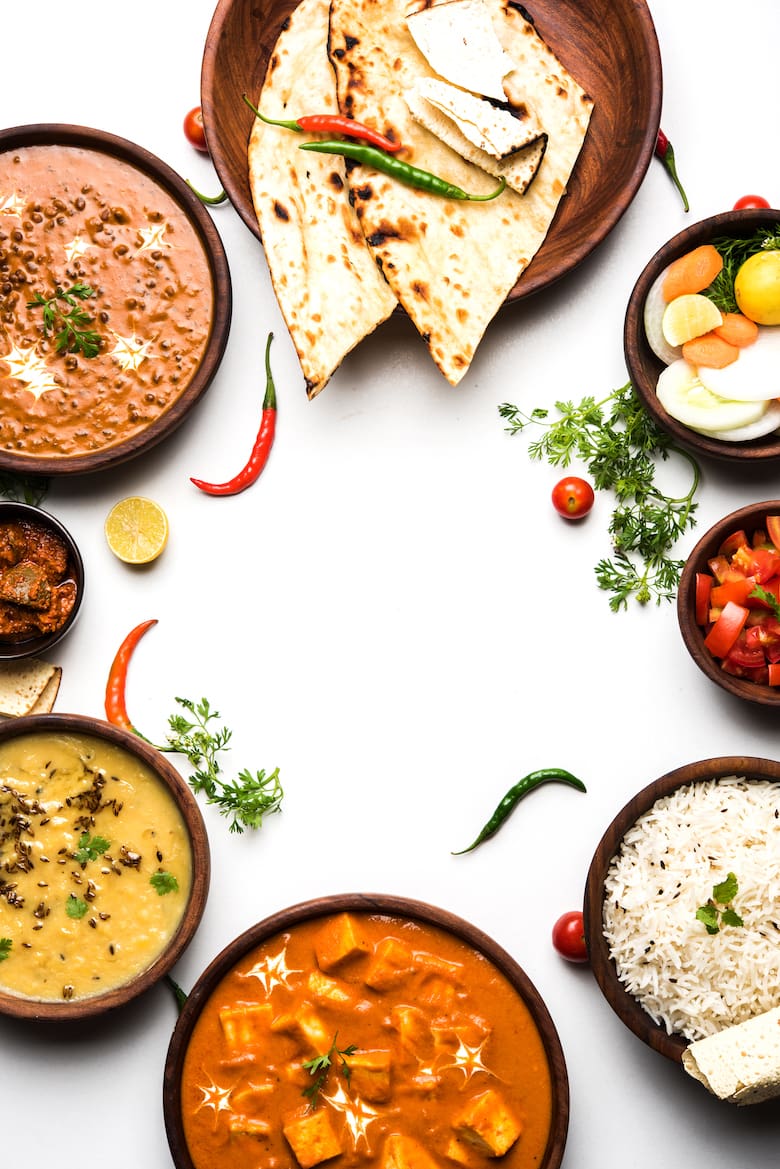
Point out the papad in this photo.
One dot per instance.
(740, 1064)
(326, 281)
(451, 264)
(28, 686)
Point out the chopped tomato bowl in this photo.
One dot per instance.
(738, 603)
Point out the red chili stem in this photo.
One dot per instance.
(665, 151)
(116, 709)
(331, 124)
(262, 445)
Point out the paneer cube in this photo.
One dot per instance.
(306, 1027)
(401, 1152)
(245, 1025)
(338, 941)
(248, 1126)
(391, 964)
(488, 1125)
(369, 1075)
(312, 1138)
(462, 1154)
(414, 1030)
(328, 990)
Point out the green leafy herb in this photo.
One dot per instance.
(179, 995)
(319, 1067)
(164, 883)
(247, 799)
(734, 250)
(75, 907)
(69, 325)
(621, 447)
(24, 488)
(718, 911)
(5, 948)
(768, 598)
(90, 848)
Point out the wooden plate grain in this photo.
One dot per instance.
(643, 365)
(602, 45)
(48, 134)
(373, 903)
(625, 1006)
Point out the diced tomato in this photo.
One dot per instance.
(736, 540)
(746, 652)
(720, 567)
(726, 629)
(773, 674)
(758, 674)
(703, 590)
(771, 586)
(764, 564)
(773, 529)
(733, 590)
(759, 538)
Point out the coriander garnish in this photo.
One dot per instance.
(320, 1065)
(71, 334)
(718, 911)
(620, 445)
(5, 948)
(75, 906)
(768, 598)
(164, 882)
(90, 848)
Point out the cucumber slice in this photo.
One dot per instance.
(682, 395)
(754, 376)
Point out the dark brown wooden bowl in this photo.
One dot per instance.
(40, 643)
(87, 1008)
(625, 1006)
(370, 903)
(750, 518)
(136, 156)
(643, 365)
(601, 45)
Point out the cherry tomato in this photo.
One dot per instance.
(568, 937)
(750, 201)
(193, 129)
(572, 497)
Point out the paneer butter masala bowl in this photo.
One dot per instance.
(365, 1030)
(728, 603)
(115, 299)
(104, 866)
(702, 336)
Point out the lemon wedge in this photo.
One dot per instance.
(689, 316)
(136, 530)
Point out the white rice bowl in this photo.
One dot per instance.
(689, 981)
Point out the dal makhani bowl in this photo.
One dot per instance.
(104, 866)
(365, 1030)
(115, 299)
(682, 903)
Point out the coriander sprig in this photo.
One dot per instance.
(69, 325)
(249, 798)
(320, 1065)
(5, 948)
(621, 447)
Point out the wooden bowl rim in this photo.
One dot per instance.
(103, 142)
(376, 904)
(625, 1006)
(536, 277)
(639, 357)
(81, 1009)
(692, 634)
(34, 646)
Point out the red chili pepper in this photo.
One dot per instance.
(263, 443)
(665, 151)
(332, 124)
(116, 710)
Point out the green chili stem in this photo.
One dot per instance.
(516, 793)
(212, 200)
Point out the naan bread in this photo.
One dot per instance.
(451, 264)
(740, 1064)
(330, 291)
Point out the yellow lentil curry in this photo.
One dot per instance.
(95, 866)
(106, 301)
(362, 1040)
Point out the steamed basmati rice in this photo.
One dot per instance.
(689, 981)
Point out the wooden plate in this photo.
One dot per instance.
(198, 216)
(625, 1006)
(372, 904)
(600, 44)
(643, 365)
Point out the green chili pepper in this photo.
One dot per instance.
(412, 176)
(516, 793)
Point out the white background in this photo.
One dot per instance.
(394, 615)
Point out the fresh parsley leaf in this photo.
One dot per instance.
(75, 907)
(320, 1065)
(762, 594)
(164, 883)
(5, 948)
(621, 447)
(90, 848)
(69, 326)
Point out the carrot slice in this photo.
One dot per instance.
(737, 330)
(709, 350)
(692, 272)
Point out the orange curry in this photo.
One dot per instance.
(362, 1040)
(106, 300)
